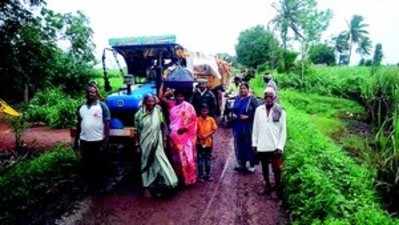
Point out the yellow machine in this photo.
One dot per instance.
(8, 110)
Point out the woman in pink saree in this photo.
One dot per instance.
(183, 134)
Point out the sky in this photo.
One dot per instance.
(213, 26)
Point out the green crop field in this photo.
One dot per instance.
(332, 169)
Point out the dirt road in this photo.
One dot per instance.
(230, 199)
(35, 138)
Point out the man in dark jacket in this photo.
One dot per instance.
(202, 95)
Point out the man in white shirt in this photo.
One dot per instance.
(92, 135)
(268, 138)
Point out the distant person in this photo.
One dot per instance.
(183, 137)
(232, 91)
(234, 87)
(269, 82)
(202, 95)
(156, 171)
(268, 138)
(92, 136)
(206, 128)
(243, 115)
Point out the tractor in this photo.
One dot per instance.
(148, 61)
(146, 58)
(152, 62)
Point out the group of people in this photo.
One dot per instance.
(175, 135)
(259, 131)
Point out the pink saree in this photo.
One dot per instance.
(183, 145)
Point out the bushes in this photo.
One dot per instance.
(323, 184)
(34, 186)
(358, 83)
(377, 90)
(338, 81)
(322, 54)
(326, 106)
(52, 107)
(381, 94)
(386, 160)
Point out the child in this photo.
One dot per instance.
(206, 128)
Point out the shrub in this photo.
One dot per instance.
(18, 125)
(322, 54)
(380, 94)
(34, 186)
(52, 107)
(386, 161)
(322, 184)
(287, 61)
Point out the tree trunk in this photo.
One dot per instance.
(303, 62)
(350, 52)
(26, 93)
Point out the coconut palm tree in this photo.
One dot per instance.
(341, 43)
(357, 33)
(364, 47)
(286, 19)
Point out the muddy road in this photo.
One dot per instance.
(34, 138)
(232, 198)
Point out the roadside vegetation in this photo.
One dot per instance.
(341, 164)
(343, 127)
(323, 184)
(342, 157)
(41, 188)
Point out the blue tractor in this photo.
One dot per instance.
(146, 58)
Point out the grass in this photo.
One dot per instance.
(34, 188)
(116, 83)
(331, 127)
(330, 107)
(324, 184)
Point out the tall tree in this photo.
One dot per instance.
(357, 33)
(257, 46)
(303, 20)
(79, 33)
(30, 56)
(378, 55)
(364, 47)
(341, 43)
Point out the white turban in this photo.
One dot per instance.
(270, 90)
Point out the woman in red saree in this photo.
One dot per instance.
(183, 134)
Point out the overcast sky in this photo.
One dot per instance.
(213, 26)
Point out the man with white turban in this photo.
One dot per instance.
(269, 135)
